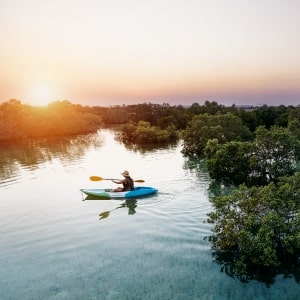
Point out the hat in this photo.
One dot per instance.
(125, 173)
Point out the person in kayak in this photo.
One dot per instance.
(127, 182)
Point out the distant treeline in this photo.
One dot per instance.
(18, 120)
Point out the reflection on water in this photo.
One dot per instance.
(148, 148)
(30, 154)
(130, 204)
(227, 261)
(198, 166)
(217, 189)
(195, 163)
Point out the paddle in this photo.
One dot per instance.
(131, 204)
(97, 178)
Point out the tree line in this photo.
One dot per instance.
(63, 118)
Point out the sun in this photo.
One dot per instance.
(42, 95)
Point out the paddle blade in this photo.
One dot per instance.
(96, 178)
(139, 180)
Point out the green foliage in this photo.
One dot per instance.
(204, 127)
(273, 154)
(144, 133)
(258, 226)
(211, 108)
(249, 119)
(157, 115)
(269, 116)
(228, 162)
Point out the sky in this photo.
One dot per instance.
(115, 52)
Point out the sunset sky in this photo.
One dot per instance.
(108, 52)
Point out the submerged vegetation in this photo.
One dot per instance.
(256, 229)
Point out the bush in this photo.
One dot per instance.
(144, 133)
(202, 128)
(259, 227)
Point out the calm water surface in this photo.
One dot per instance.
(57, 245)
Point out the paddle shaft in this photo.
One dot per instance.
(98, 178)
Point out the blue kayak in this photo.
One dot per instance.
(140, 191)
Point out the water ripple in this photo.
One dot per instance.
(9, 181)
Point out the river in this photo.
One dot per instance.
(55, 244)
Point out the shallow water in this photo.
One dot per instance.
(55, 245)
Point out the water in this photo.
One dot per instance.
(54, 245)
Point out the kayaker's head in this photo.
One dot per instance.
(125, 173)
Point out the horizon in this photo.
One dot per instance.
(240, 106)
(233, 52)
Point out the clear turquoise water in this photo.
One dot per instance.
(54, 245)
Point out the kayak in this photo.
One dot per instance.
(140, 191)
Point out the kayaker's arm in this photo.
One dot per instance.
(117, 181)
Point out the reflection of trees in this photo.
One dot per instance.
(31, 153)
(246, 273)
(131, 204)
(197, 164)
(218, 189)
(148, 148)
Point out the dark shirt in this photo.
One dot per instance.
(128, 184)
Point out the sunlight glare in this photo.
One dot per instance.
(42, 95)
